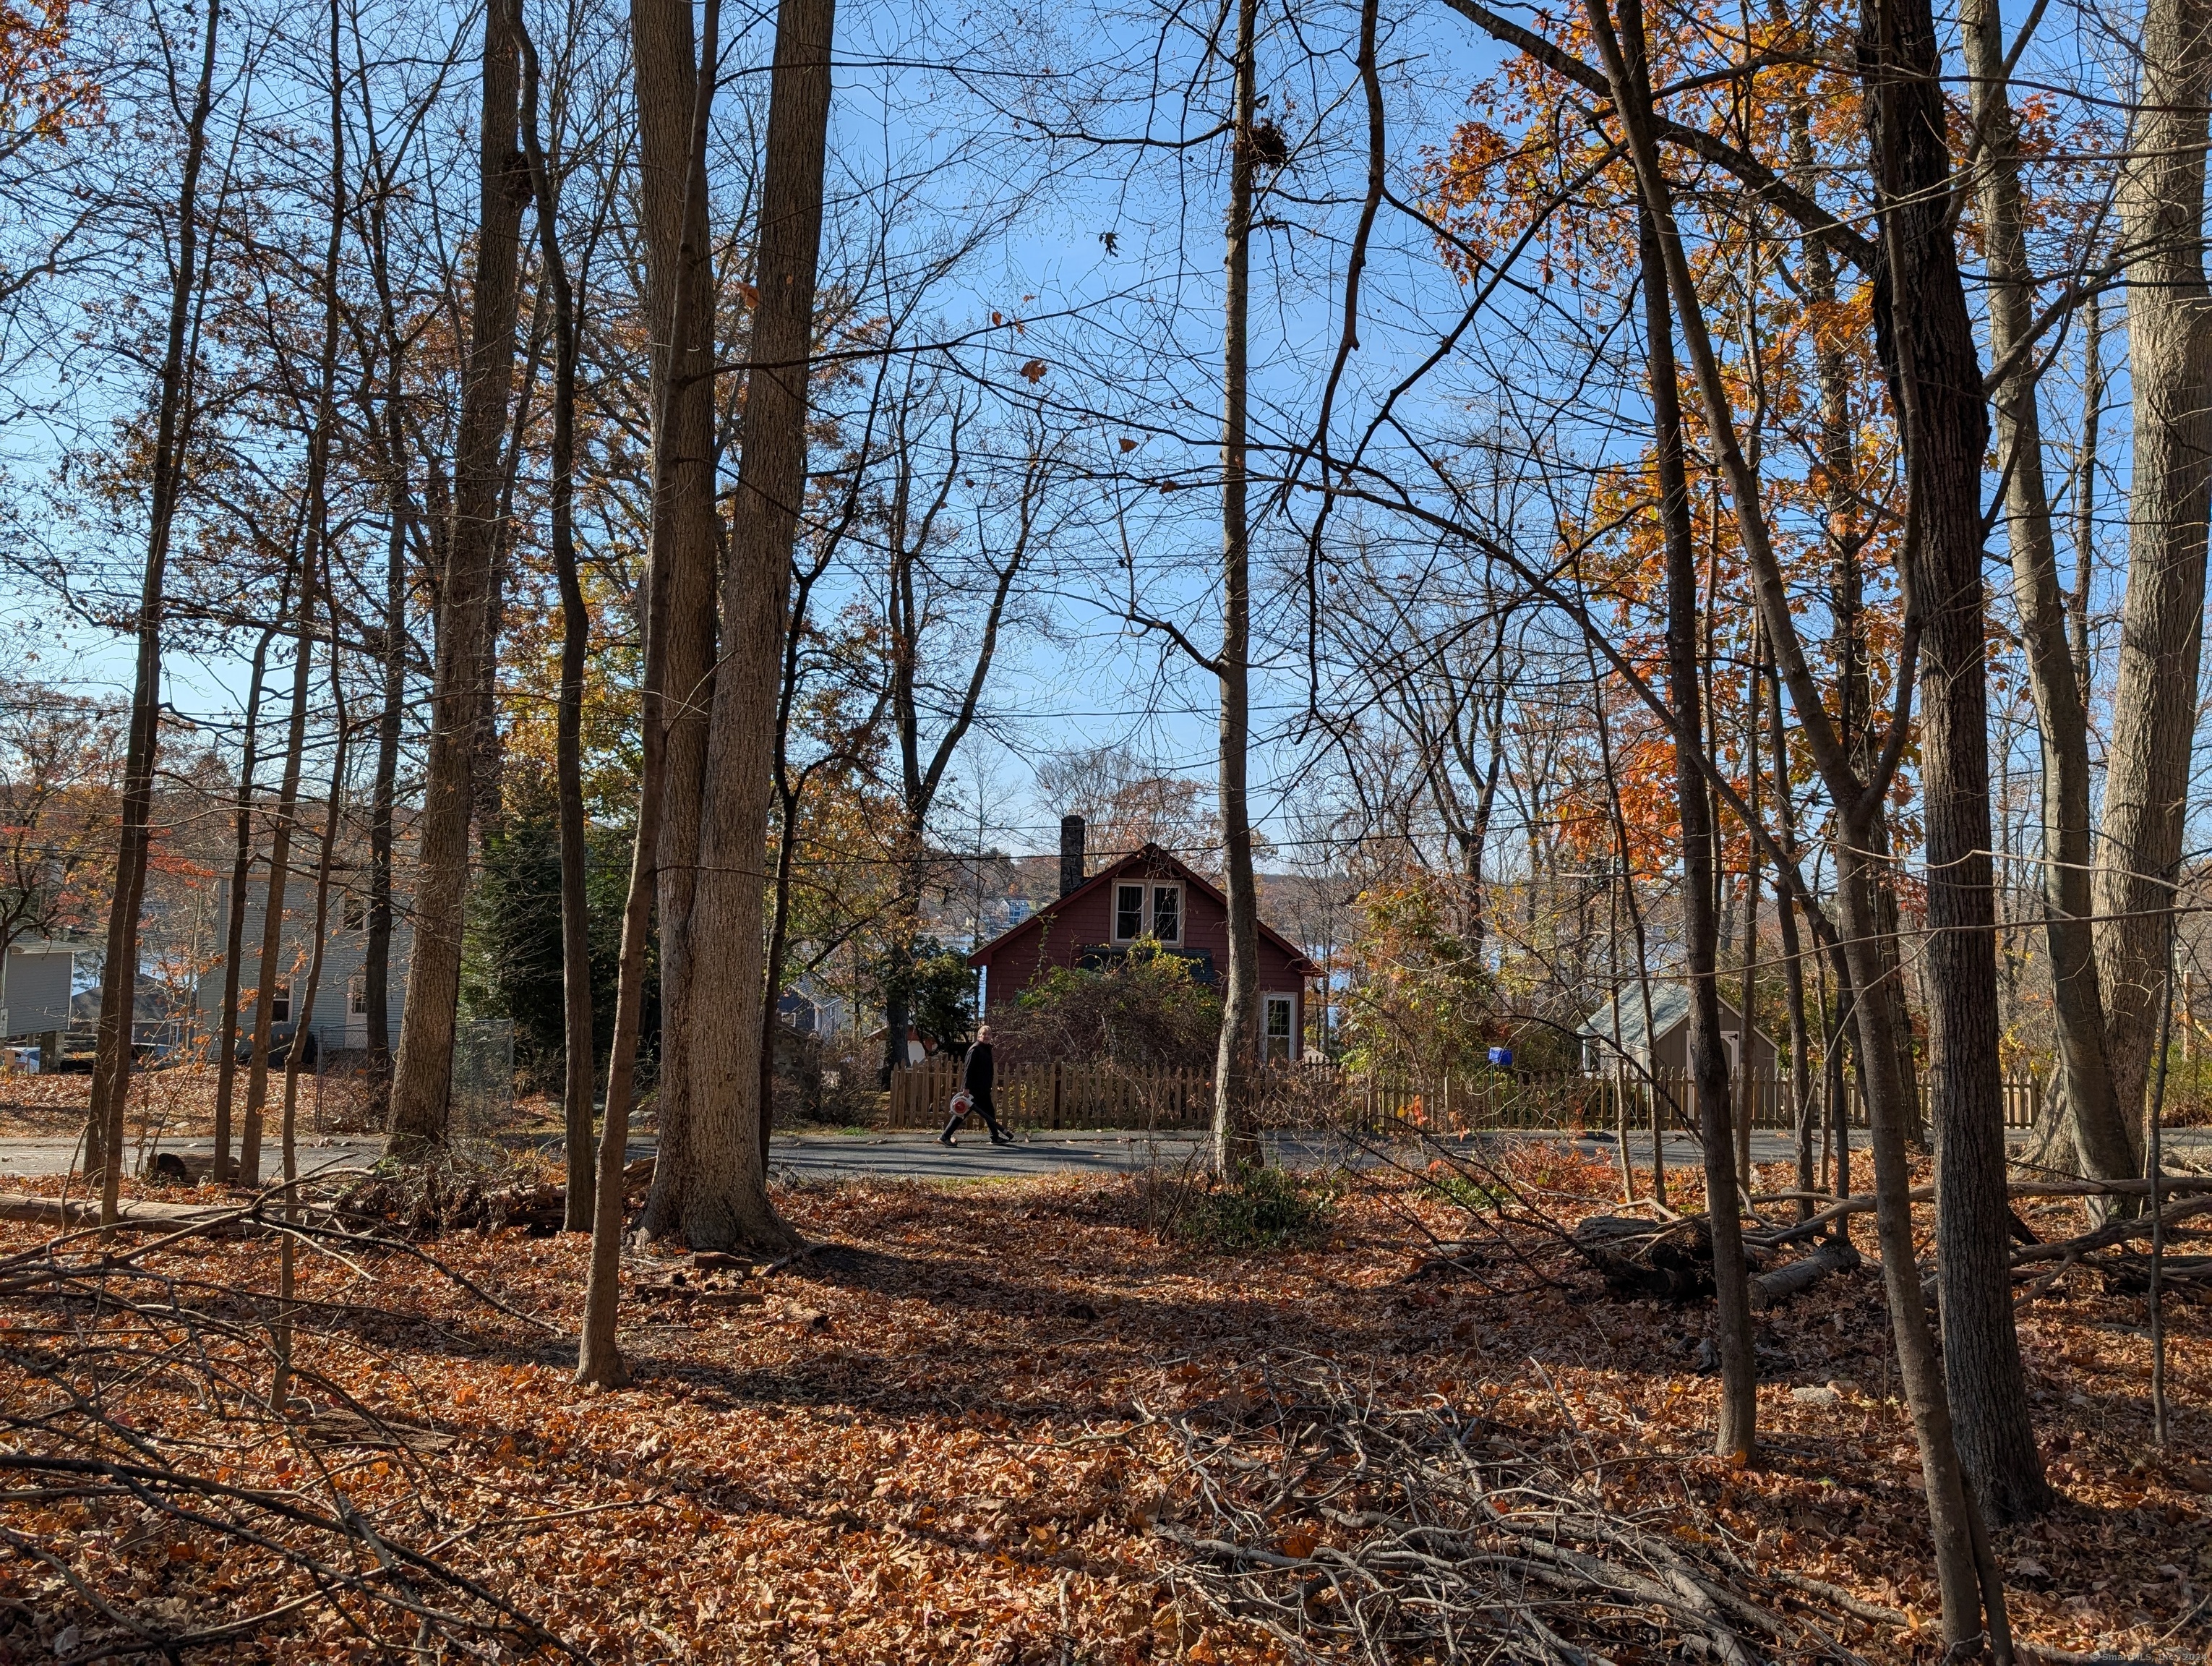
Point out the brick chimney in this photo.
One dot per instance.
(1071, 853)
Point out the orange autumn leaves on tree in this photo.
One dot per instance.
(1536, 164)
(41, 94)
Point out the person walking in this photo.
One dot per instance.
(975, 1081)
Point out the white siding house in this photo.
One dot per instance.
(341, 1014)
(34, 986)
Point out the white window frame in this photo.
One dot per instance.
(1144, 895)
(1269, 1003)
(1148, 910)
(1152, 898)
(280, 1003)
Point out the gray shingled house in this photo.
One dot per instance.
(1670, 1025)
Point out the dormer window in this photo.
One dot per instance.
(1148, 908)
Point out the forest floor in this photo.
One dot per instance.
(952, 1435)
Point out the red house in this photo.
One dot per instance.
(1146, 894)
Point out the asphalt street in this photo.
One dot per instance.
(917, 1155)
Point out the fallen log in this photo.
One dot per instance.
(1834, 1255)
(1671, 1260)
(38, 1210)
(1863, 1203)
(2112, 1232)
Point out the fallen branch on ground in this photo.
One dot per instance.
(1351, 1530)
(137, 1431)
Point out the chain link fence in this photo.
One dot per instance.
(482, 1103)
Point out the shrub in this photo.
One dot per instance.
(1260, 1209)
(1144, 1012)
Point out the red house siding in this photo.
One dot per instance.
(1058, 934)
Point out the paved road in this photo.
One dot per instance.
(918, 1155)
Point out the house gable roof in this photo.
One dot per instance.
(1670, 1007)
(1154, 859)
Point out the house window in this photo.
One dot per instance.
(1275, 1033)
(355, 911)
(1167, 912)
(1128, 913)
(1153, 909)
(280, 1003)
(357, 997)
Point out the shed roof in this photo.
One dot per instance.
(1670, 1008)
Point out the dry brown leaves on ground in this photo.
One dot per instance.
(1004, 1422)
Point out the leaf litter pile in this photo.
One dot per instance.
(1033, 1421)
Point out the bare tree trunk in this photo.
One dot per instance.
(666, 72)
(376, 964)
(2085, 490)
(1736, 1436)
(599, 1362)
(2099, 1129)
(118, 976)
(1836, 1090)
(2154, 695)
(1959, 1568)
(282, 826)
(333, 810)
(575, 637)
(1746, 1054)
(1802, 1111)
(295, 1059)
(1235, 1147)
(423, 1079)
(1928, 339)
(727, 1203)
(233, 942)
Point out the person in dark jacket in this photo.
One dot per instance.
(976, 1079)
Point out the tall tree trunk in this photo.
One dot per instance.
(1847, 533)
(599, 1362)
(391, 432)
(423, 1079)
(1803, 1125)
(1959, 1568)
(1936, 371)
(576, 636)
(726, 1202)
(233, 940)
(376, 962)
(282, 827)
(1747, 1053)
(319, 519)
(1235, 1147)
(1736, 1436)
(2154, 692)
(118, 976)
(2085, 490)
(2100, 1131)
(685, 540)
(1835, 1095)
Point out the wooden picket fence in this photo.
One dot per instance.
(1536, 1099)
(1059, 1095)
(1098, 1096)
